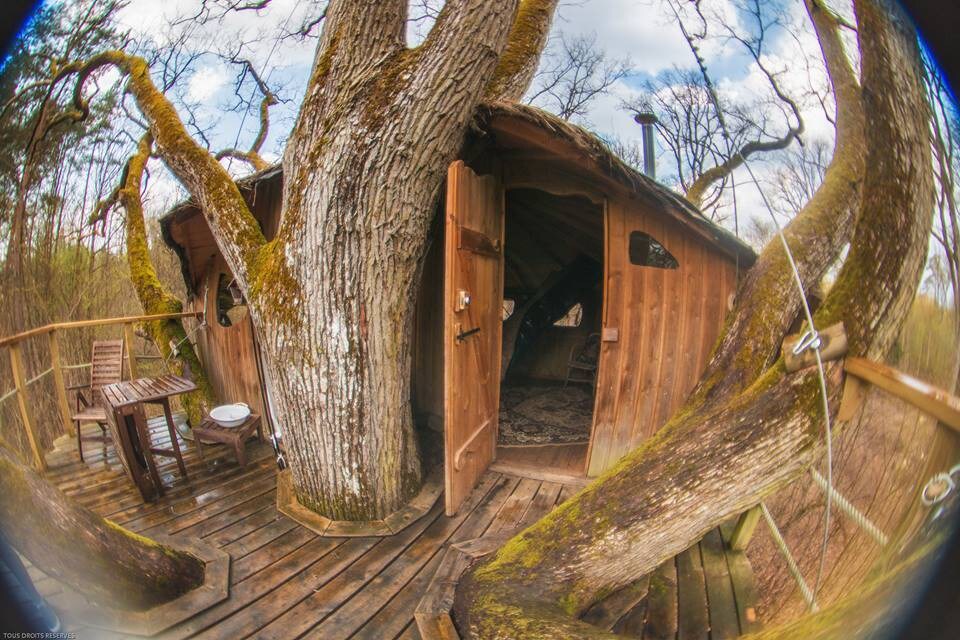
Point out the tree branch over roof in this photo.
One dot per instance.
(203, 176)
(252, 155)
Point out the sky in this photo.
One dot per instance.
(644, 32)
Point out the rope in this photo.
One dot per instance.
(855, 514)
(805, 590)
(812, 339)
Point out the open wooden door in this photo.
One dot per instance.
(472, 323)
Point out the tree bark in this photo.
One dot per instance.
(518, 64)
(154, 298)
(94, 556)
(718, 456)
(768, 302)
(332, 295)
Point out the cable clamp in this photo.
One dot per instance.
(809, 340)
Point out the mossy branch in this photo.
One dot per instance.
(153, 296)
(518, 63)
(94, 556)
(768, 301)
(208, 182)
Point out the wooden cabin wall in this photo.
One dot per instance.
(427, 361)
(666, 321)
(227, 353)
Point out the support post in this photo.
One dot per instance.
(746, 525)
(128, 344)
(20, 381)
(59, 385)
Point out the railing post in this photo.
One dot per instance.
(746, 525)
(20, 381)
(128, 337)
(59, 384)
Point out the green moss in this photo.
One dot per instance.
(274, 289)
(527, 37)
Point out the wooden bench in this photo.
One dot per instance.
(236, 437)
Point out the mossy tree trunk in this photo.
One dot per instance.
(332, 295)
(96, 557)
(154, 298)
(752, 427)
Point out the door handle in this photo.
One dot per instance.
(463, 335)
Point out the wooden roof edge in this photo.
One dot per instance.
(188, 208)
(614, 167)
(580, 139)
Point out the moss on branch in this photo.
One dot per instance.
(153, 296)
(518, 62)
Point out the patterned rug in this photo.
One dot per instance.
(545, 415)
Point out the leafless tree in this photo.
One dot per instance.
(574, 71)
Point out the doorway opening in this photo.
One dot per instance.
(552, 314)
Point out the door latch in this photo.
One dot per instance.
(463, 335)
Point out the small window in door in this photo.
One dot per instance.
(646, 251)
(571, 318)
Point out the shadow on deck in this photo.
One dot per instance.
(286, 582)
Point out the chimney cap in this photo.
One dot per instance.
(645, 117)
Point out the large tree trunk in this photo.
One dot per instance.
(723, 453)
(332, 295)
(94, 556)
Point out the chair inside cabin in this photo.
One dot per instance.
(582, 363)
(106, 367)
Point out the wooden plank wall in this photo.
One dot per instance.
(667, 321)
(227, 353)
(427, 361)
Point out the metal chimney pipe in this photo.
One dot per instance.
(646, 120)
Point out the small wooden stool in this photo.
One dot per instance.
(233, 436)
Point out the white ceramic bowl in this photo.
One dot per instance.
(230, 415)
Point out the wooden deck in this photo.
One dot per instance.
(286, 582)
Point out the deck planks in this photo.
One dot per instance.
(286, 582)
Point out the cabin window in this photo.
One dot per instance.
(572, 317)
(508, 308)
(646, 251)
(231, 306)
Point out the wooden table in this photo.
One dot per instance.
(128, 426)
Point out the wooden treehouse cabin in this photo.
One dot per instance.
(567, 307)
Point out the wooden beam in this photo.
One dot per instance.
(128, 344)
(76, 324)
(941, 404)
(59, 385)
(746, 525)
(20, 380)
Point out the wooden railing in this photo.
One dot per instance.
(22, 383)
(936, 402)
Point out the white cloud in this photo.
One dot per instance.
(206, 82)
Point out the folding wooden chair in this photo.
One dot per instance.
(106, 367)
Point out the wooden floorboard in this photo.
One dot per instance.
(287, 582)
